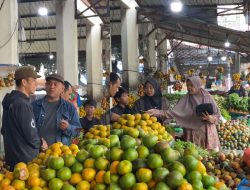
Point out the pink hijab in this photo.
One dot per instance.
(184, 111)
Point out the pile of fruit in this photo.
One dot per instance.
(98, 132)
(144, 123)
(152, 164)
(234, 135)
(227, 167)
(97, 114)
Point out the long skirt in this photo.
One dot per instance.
(206, 137)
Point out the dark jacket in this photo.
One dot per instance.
(21, 140)
(241, 92)
(120, 110)
(65, 111)
(87, 124)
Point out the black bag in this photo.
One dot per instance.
(203, 109)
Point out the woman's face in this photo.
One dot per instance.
(114, 87)
(149, 90)
(191, 89)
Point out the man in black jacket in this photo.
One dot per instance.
(21, 140)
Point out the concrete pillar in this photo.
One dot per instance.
(66, 41)
(149, 48)
(161, 52)
(8, 46)
(237, 63)
(94, 61)
(130, 52)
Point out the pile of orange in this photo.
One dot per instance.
(149, 125)
(98, 132)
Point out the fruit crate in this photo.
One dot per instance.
(244, 185)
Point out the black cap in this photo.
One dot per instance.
(89, 102)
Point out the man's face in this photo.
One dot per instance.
(67, 94)
(113, 88)
(124, 99)
(90, 110)
(30, 85)
(54, 88)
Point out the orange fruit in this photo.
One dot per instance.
(201, 168)
(151, 184)
(149, 140)
(89, 163)
(143, 175)
(127, 181)
(145, 116)
(9, 175)
(8, 187)
(83, 185)
(101, 163)
(20, 165)
(124, 167)
(114, 167)
(69, 160)
(99, 178)
(154, 161)
(88, 174)
(56, 163)
(5, 182)
(55, 184)
(18, 184)
(34, 181)
(185, 186)
(190, 162)
(140, 186)
(107, 177)
(48, 174)
(174, 179)
(75, 178)
(36, 188)
(64, 174)
(73, 147)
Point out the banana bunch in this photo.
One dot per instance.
(158, 74)
(106, 74)
(236, 86)
(190, 72)
(236, 76)
(177, 77)
(105, 103)
(82, 112)
(172, 70)
(99, 112)
(132, 99)
(220, 69)
(140, 90)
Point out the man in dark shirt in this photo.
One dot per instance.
(89, 120)
(122, 100)
(19, 130)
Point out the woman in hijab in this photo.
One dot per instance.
(199, 130)
(153, 98)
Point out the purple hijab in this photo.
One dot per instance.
(184, 111)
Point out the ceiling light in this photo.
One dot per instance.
(43, 11)
(223, 58)
(227, 44)
(210, 58)
(176, 6)
(51, 56)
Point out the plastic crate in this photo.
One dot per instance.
(242, 184)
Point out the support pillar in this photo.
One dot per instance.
(237, 63)
(66, 41)
(162, 52)
(149, 48)
(8, 46)
(94, 61)
(130, 57)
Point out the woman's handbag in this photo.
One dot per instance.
(204, 108)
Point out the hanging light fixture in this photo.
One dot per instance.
(224, 58)
(210, 58)
(227, 43)
(43, 11)
(51, 56)
(176, 6)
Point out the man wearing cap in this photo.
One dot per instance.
(21, 139)
(57, 120)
